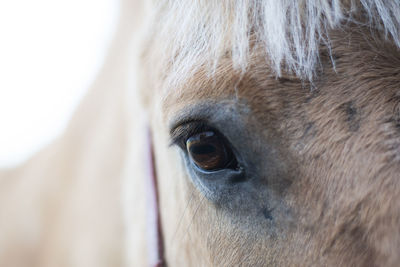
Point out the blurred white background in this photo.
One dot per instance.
(50, 52)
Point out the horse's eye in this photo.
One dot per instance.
(209, 151)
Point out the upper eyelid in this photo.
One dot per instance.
(192, 114)
(176, 135)
(182, 131)
(178, 123)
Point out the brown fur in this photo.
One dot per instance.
(341, 139)
(336, 139)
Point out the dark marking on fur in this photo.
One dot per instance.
(395, 122)
(284, 80)
(319, 154)
(309, 130)
(314, 92)
(394, 116)
(352, 115)
(268, 213)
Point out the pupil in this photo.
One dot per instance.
(207, 151)
(202, 149)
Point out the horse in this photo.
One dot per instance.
(268, 133)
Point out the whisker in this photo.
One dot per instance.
(194, 214)
(183, 215)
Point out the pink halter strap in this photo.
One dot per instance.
(154, 232)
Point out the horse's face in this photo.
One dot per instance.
(256, 170)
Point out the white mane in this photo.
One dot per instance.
(200, 32)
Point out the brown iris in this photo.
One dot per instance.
(208, 151)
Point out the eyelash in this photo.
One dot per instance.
(181, 133)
